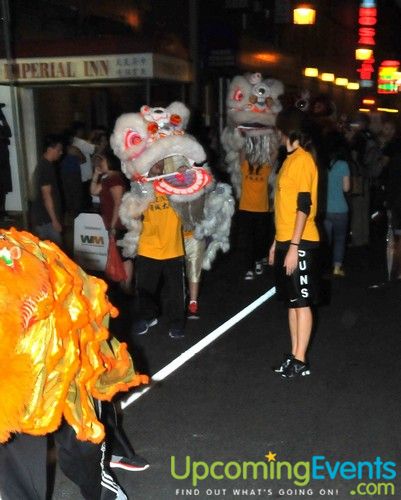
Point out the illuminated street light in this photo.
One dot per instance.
(388, 110)
(363, 54)
(327, 77)
(342, 82)
(353, 86)
(311, 72)
(304, 14)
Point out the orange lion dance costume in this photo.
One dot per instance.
(56, 351)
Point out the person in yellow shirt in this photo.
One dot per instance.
(254, 217)
(294, 252)
(160, 256)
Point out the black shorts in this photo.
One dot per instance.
(302, 287)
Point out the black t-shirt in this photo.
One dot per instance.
(45, 175)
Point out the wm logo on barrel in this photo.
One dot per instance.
(87, 239)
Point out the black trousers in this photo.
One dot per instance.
(23, 465)
(117, 441)
(150, 275)
(255, 235)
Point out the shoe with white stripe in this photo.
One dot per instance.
(133, 464)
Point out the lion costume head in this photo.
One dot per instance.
(252, 106)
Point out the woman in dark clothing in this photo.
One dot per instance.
(5, 169)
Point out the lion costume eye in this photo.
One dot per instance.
(238, 95)
(175, 120)
(132, 138)
(153, 127)
(261, 90)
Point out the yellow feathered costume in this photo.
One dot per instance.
(56, 353)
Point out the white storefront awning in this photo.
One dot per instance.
(95, 68)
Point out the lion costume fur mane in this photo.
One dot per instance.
(56, 353)
(141, 140)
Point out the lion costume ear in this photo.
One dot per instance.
(276, 87)
(178, 108)
(145, 109)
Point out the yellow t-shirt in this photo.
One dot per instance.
(254, 189)
(297, 175)
(161, 236)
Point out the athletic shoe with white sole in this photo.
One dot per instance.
(284, 364)
(296, 369)
(133, 464)
(249, 276)
(142, 326)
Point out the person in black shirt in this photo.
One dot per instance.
(46, 204)
(5, 169)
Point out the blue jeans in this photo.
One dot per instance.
(336, 225)
(47, 232)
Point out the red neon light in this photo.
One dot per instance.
(367, 16)
(367, 69)
(365, 74)
(367, 36)
(391, 64)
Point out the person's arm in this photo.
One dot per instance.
(117, 195)
(346, 183)
(95, 186)
(346, 177)
(304, 203)
(272, 253)
(86, 147)
(291, 259)
(48, 202)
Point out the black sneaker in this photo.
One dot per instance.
(296, 369)
(249, 275)
(142, 326)
(176, 333)
(284, 364)
(133, 464)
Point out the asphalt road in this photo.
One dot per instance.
(207, 428)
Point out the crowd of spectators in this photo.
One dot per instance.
(359, 185)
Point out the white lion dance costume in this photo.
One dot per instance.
(252, 107)
(156, 136)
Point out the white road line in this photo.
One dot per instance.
(192, 351)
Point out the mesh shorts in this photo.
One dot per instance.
(302, 287)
